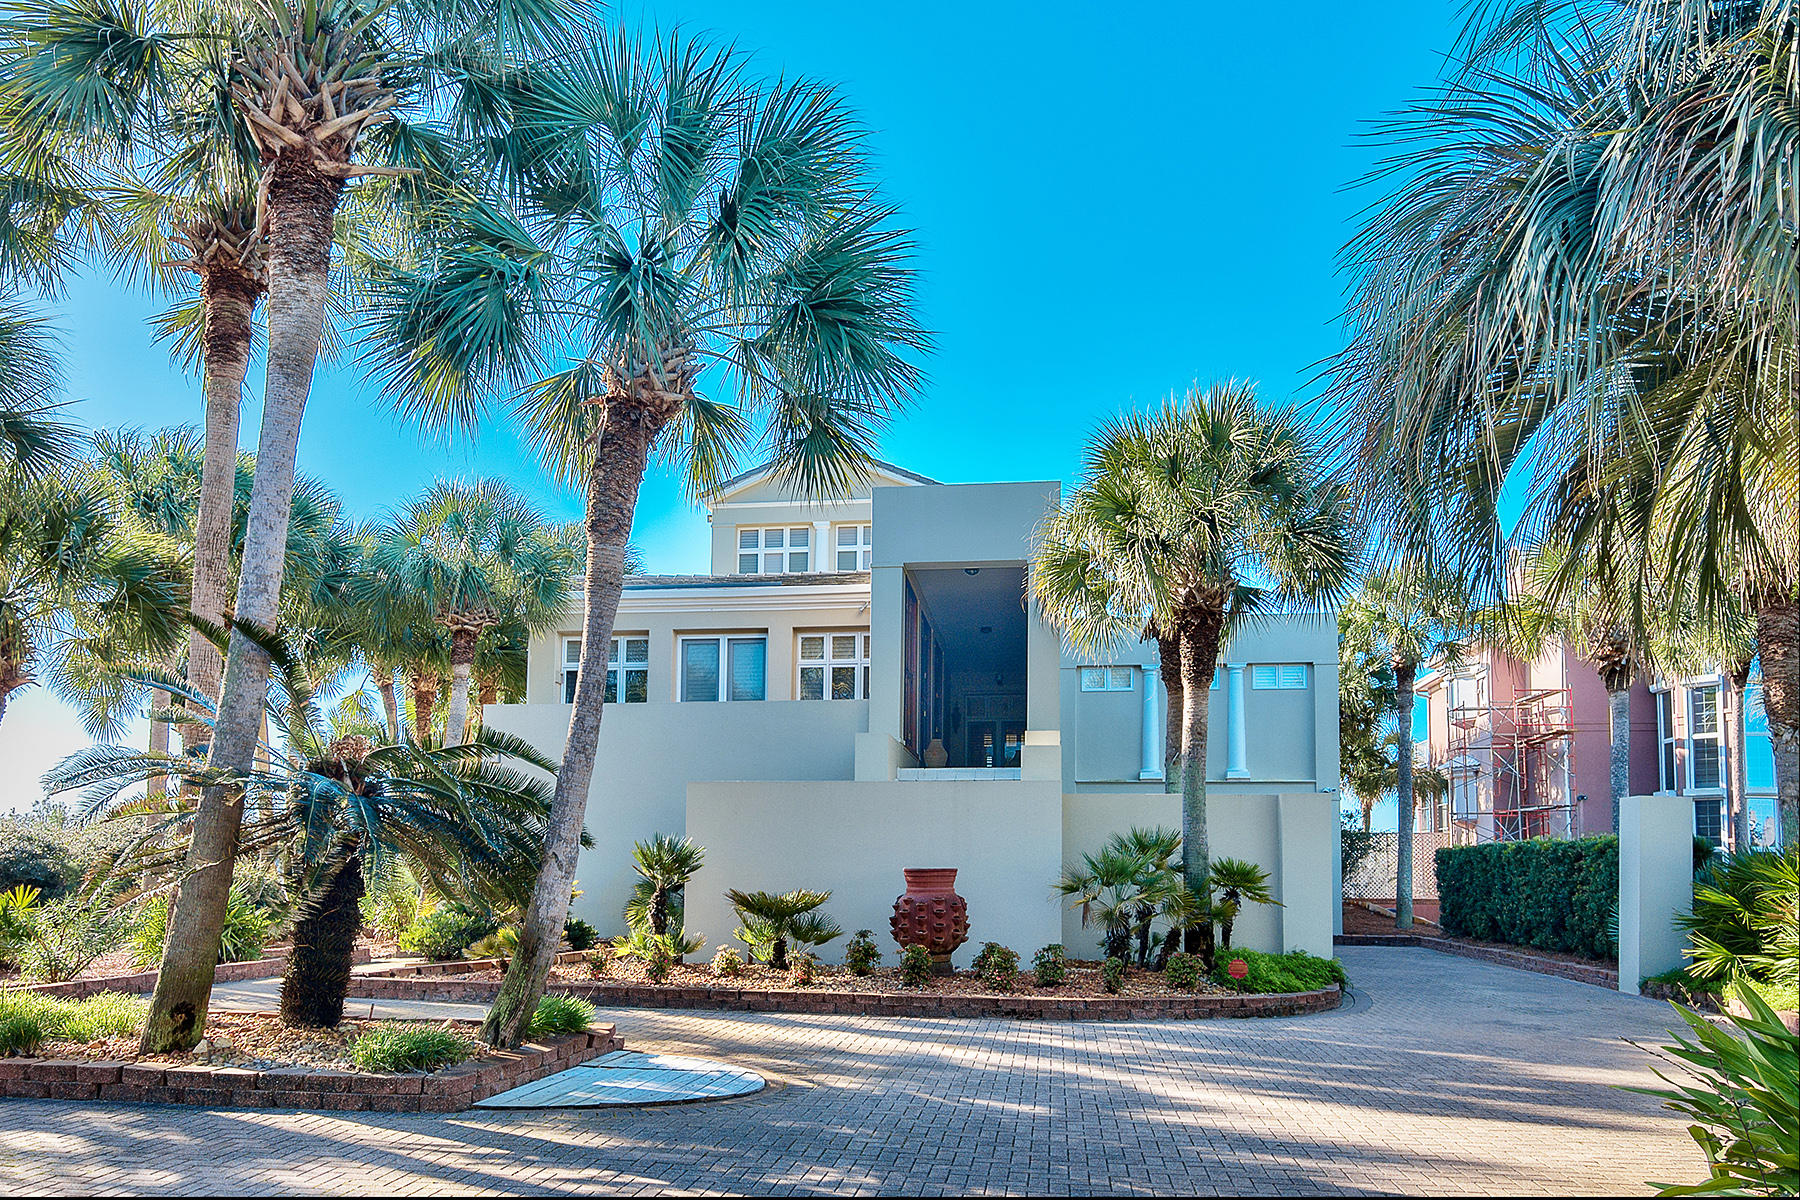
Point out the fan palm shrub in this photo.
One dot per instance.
(1121, 888)
(1745, 921)
(664, 865)
(690, 260)
(1191, 520)
(1235, 883)
(771, 922)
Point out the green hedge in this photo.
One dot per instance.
(1551, 894)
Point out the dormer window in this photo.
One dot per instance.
(777, 551)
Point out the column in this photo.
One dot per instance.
(1656, 883)
(1235, 767)
(1150, 739)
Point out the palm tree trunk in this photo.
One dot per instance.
(1200, 636)
(614, 477)
(1618, 707)
(462, 664)
(390, 704)
(1168, 652)
(1778, 645)
(157, 788)
(424, 695)
(318, 967)
(300, 212)
(1405, 673)
(1738, 797)
(230, 296)
(1368, 811)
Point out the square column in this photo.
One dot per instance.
(1656, 884)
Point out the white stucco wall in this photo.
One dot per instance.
(648, 754)
(854, 840)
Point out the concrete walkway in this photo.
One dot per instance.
(1443, 1076)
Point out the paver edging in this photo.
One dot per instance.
(450, 1090)
(1523, 960)
(144, 981)
(1024, 1007)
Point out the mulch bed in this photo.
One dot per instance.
(260, 1041)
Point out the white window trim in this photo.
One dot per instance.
(763, 551)
(1111, 682)
(861, 663)
(863, 547)
(1278, 679)
(723, 641)
(1717, 736)
(1665, 742)
(615, 664)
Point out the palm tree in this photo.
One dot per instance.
(1237, 881)
(1113, 886)
(348, 809)
(1569, 290)
(474, 557)
(664, 865)
(1408, 617)
(709, 250)
(1192, 520)
(771, 921)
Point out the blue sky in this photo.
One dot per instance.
(1111, 202)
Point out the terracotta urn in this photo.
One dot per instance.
(931, 915)
(935, 754)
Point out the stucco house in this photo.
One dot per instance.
(859, 685)
(1527, 747)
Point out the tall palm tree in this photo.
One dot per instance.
(708, 250)
(1408, 616)
(1194, 519)
(475, 557)
(1569, 285)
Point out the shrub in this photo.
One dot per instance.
(27, 1020)
(31, 857)
(801, 970)
(396, 1048)
(1050, 965)
(1551, 894)
(18, 911)
(560, 1014)
(727, 963)
(245, 933)
(502, 943)
(1183, 971)
(862, 955)
(445, 932)
(1739, 1096)
(66, 936)
(597, 962)
(1745, 923)
(104, 1015)
(915, 966)
(1295, 971)
(579, 934)
(392, 905)
(1112, 974)
(659, 952)
(999, 967)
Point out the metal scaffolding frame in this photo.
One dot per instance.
(1511, 768)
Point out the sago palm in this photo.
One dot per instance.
(773, 920)
(1192, 519)
(694, 260)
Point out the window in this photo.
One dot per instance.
(1106, 679)
(1665, 734)
(630, 658)
(724, 668)
(1278, 676)
(1462, 691)
(839, 659)
(774, 551)
(1759, 747)
(853, 552)
(1706, 759)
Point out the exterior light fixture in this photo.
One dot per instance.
(971, 570)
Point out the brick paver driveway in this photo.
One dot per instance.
(1442, 1076)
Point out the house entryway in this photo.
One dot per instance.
(964, 687)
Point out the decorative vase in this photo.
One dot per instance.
(931, 915)
(935, 754)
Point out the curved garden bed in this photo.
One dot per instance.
(1027, 1004)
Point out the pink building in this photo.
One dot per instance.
(1527, 748)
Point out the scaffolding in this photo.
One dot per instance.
(1511, 768)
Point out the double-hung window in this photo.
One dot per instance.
(627, 670)
(853, 548)
(1278, 677)
(774, 551)
(1706, 758)
(834, 665)
(724, 668)
(1106, 679)
(1665, 737)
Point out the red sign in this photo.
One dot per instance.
(1238, 968)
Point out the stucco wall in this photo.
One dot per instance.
(1292, 836)
(648, 754)
(854, 839)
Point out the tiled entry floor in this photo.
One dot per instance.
(627, 1077)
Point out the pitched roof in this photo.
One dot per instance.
(762, 470)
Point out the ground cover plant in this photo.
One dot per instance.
(399, 1050)
(561, 1014)
(1295, 971)
(27, 1019)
